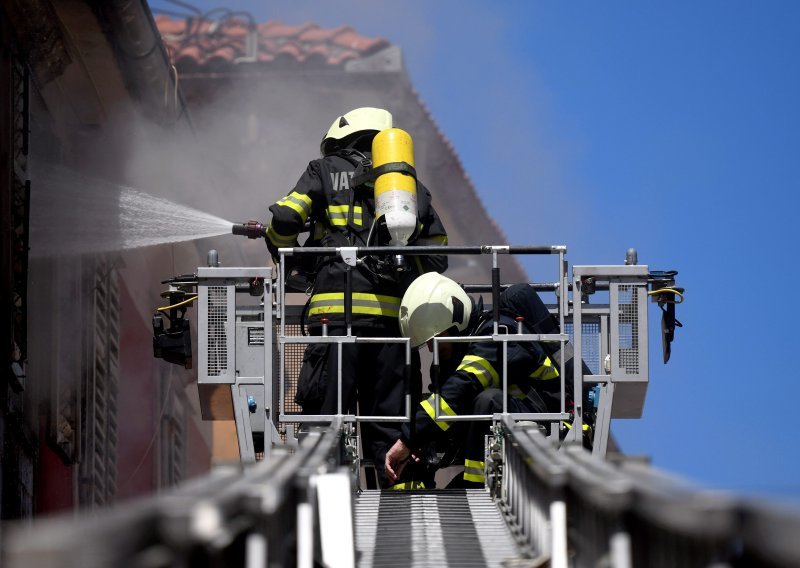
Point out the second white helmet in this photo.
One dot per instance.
(431, 305)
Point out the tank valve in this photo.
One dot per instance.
(251, 229)
(400, 263)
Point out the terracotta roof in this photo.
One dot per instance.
(192, 43)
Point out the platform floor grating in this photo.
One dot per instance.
(431, 528)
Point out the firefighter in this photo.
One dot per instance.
(341, 214)
(435, 305)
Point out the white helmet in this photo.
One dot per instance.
(433, 304)
(365, 120)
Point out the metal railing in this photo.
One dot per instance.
(619, 336)
(260, 515)
(575, 509)
(566, 507)
(240, 377)
(352, 255)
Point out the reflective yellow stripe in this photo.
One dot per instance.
(297, 202)
(408, 485)
(427, 404)
(337, 215)
(363, 304)
(280, 240)
(481, 369)
(546, 372)
(585, 427)
(474, 471)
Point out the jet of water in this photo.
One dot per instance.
(73, 214)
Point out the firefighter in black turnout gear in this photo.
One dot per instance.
(342, 215)
(471, 373)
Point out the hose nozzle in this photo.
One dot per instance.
(251, 229)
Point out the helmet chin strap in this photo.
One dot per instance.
(458, 311)
(361, 142)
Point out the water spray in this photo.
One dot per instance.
(75, 214)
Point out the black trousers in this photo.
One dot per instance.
(490, 401)
(373, 383)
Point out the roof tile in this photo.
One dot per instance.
(277, 29)
(195, 44)
(322, 34)
(167, 25)
(190, 51)
(227, 52)
(355, 41)
(291, 48)
(342, 56)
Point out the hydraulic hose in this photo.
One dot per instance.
(178, 305)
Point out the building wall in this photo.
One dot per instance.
(95, 418)
(17, 433)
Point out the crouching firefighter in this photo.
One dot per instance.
(471, 380)
(335, 195)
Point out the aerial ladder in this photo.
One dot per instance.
(301, 495)
(428, 527)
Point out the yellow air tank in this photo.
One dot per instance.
(395, 191)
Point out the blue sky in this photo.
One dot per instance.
(672, 127)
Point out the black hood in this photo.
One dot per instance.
(475, 317)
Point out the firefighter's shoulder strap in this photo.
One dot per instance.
(390, 167)
(361, 162)
(366, 173)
